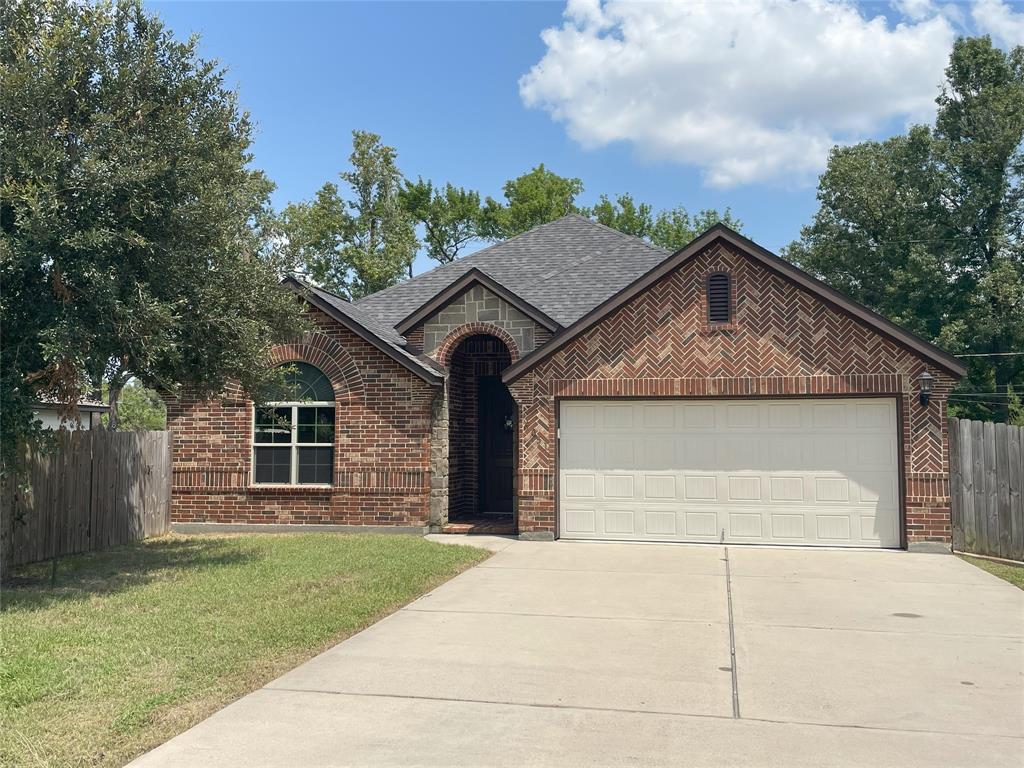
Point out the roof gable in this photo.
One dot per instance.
(385, 339)
(473, 277)
(720, 232)
(561, 269)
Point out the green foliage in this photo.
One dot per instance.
(624, 214)
(451, 218)
(132, 230)
(926, 227)
(360, 244)
(535, 198)
(670, 229)
(138, 407)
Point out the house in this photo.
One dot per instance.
(578, 383)
(90, 414)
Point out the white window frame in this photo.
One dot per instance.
(293, 444)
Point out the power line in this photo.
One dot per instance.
(978, 402)
(985, 394)
(990, 354)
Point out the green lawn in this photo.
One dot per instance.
(1011, 573)
(136, 644)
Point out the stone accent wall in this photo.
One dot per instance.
(481, 306)
(381, 447)
(439, 424)
(783, 341)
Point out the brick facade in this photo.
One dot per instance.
(783, 341)
(381, 444)
(405, 451)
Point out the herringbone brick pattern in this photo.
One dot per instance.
(783, 341)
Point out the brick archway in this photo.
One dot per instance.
(450, 342)
(320, 350)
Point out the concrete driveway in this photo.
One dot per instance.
(617, 654)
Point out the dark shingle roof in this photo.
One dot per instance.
(564, 268)
(385, 337)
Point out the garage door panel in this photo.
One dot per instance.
(787, 526)
(619, 486)
(620, 522)
(580, 486)
(658, 417)
(656, 452)
(578, 453)
(743, 488)
(786, 489)
(697, 417)
(700, 488)
(660, 522)
(577, 520)
(619, 453)
(875, 415)
(578, 415)
(788, 472)
(659, 487)
(787, 416)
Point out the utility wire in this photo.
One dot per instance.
(990, 354)
(978, 402)
(985, 394)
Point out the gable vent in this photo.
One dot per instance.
(719, 304)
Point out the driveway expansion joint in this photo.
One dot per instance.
(627, 711)
(732, 640)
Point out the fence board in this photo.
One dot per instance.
(986, 475)
(94, 489)
(978, 471)
(955, 485)
(1014, 481)
(966, 476)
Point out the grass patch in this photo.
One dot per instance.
(1005, 571)
(135, 644)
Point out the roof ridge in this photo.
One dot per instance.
(315, 287)
(472, 255)
(625, 240)
(622, 234)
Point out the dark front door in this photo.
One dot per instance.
(496, 423)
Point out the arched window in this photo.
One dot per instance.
(293, 439)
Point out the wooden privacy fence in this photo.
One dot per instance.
(94, 489)
(986, 476)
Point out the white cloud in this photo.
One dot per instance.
(998, 20)
(749, 91)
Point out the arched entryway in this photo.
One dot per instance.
(481, 433)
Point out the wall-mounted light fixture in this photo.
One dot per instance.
(925, 382)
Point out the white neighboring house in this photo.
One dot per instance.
(89, 415)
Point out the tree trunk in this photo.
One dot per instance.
(113, 396)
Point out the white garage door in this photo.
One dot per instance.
(820, 472)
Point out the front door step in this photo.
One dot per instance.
(489, 525)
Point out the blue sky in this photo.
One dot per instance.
(441, 83)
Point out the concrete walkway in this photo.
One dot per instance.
(569, 654)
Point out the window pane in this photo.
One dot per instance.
(309, 384)
(316, 425)
(315, 465)
(273, 425)
(273, 465)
